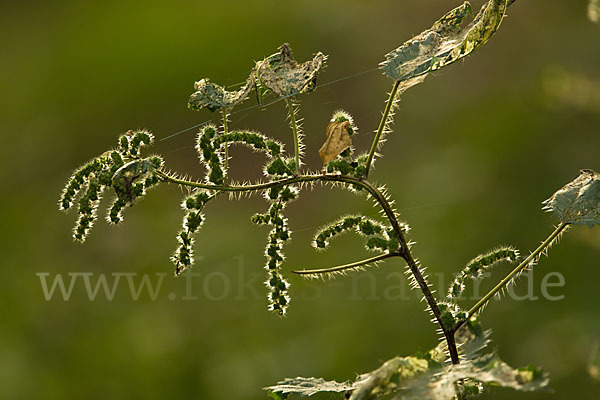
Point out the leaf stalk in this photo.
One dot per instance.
(384, 120)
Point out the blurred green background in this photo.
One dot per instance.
(476, 148)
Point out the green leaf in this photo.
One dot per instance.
(282, 75)
(445, 43)
(578, 202)
(277, 396)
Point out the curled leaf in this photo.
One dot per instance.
(338, 140)
(215, 97)
(281, 74)
(578, 202)
(124, 178)
(445, 42)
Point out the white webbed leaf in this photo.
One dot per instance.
(215, 97)
(578, 202)
(285, 77)
(445, 42)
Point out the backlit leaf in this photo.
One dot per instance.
(337, 141)
(281, 74)
(310, 386)
(215, 97)
(428, 375)
(445, 42)
(578, 202)
(487, 370)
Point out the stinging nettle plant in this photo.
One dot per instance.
(454, 369)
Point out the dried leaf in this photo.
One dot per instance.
(578, 202)
(445, 42)
(215, 97)
(338, 140)
(281, 74)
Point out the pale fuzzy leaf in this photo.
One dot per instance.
(429, 376)
(415, 56)
(578, 202)
(445, 42)
(281, 74)
(489, 370)
(391, 376)
(215, 97)
(310, 386)
(337, 141)
(470, 341)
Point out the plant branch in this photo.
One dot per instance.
(345, 267)
(294, 124)
(384, 118)
(405, 252)
(518, 269)
(431, 301)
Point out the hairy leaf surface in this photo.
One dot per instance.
(445, 42)
(215, 97)
(281, 74)
(428, 375)
(578, 202)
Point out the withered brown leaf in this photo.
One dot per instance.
(337, 141)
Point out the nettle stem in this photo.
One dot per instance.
(225, 117)
(294, 125)
(345, 267)
(433, 305)
(404, 251)
(382, 124)
(517, 270)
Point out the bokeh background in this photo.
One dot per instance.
(476, 148)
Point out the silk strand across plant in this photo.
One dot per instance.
(455, 368)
